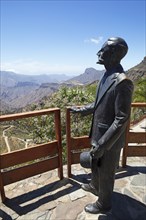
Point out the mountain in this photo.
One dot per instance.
(90, 75)
(11, 79)
(34, 96)
(6, 107)
(137, 72)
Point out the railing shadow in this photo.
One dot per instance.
(4, 215)
(129, 171)
(32, 200)
(120, 173)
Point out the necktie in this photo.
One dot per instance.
(104, 78)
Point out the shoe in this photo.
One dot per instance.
(95, 209)
(89, 188)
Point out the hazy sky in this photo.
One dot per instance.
(64, 36)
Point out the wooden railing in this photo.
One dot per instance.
(51, 150)
(135, 144)
(76, 144)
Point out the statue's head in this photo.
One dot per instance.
(112, 51)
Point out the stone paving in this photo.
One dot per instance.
(45, 197)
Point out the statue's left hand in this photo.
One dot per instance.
(96, 152)
(75, 109)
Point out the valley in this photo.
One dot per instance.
(15, 141)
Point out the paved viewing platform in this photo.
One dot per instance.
(45, 197)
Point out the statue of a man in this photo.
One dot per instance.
(111, 112)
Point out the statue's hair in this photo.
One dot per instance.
(119, 45)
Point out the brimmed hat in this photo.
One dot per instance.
(85, 159)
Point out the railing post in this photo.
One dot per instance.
(68, 141)
(58, 137)
(125, 148)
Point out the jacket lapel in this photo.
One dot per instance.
(105, 87)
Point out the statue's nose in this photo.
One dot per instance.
(98, 53)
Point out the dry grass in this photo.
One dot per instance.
(16, 144)
(3, 147)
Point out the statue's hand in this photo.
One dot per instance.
(96, 152)
(75, 109)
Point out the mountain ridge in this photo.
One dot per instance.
(137, 72)
(10, 79)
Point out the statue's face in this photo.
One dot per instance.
(105, 54)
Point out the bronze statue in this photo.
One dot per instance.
(111, 111)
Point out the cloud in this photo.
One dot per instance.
(94, 40)
(35, 67)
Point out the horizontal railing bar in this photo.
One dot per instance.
(136, 151)
(27, 114)
(75, 157)
(29, 170)
(29, 154)
(137, 137)
(138, 104)
(80, 142)
(133, 104)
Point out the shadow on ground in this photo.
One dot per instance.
(129, 171)
(124, 207)
(40, 196)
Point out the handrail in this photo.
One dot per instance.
(52, 150)
(21, 115)
(138, 104)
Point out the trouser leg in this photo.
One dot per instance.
(106, 175)
(95, 175)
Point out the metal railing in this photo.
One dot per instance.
(51, 150)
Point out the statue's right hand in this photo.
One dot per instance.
(96, 151)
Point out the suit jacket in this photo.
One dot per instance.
(111, 111)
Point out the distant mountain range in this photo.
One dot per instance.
(18, 91)
(11, 79)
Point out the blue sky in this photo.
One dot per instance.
(40, 37)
